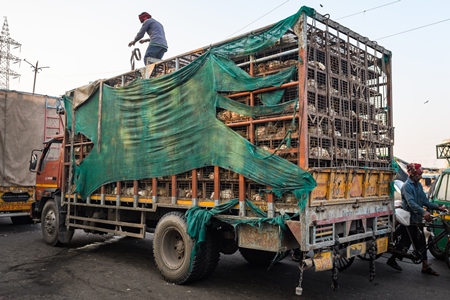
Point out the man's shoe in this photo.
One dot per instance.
(393, 264)
(430, 271)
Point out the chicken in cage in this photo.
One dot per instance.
(260, 132)
(316, 64)
(289, 62)
(227, 194)
(315, 129)
(224, 115)
(319, 152)
(311, 108)
(256, 197)
(273, 65)
(312, 83)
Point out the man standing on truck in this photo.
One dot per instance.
(414, 200)
(158, 44)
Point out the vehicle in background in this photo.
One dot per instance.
(440, 194)
(25, 120)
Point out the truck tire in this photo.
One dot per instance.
(259, 257)
(53, 231)
(172, 248)
(211, 252)
(50, 223)
(436, 250)
(21, 220)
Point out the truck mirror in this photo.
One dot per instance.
(33, 162)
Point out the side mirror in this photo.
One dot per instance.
(33, 162)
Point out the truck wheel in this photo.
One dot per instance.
(211, 253)
(436, 250)
(259, 257)
(21, 220)
(172, 248)
(50, 223)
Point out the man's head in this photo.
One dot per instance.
(144, 16)
(414, 171)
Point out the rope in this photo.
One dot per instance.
(135, 55)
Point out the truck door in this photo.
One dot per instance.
(49, 169)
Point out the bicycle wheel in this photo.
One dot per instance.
(436, 250)
(447, 254)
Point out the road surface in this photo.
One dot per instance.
(113, 267)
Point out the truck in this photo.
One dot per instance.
(274, 140)
(25, 121)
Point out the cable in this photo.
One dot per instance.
(135, 55)
(413, 29)
(258, 19)
(361, 12)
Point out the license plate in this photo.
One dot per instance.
(382, 245)
(323, 261)
(356, 249)
(14, 207)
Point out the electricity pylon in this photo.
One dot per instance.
(6, 58)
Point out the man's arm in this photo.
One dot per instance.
(409, 195)
(139, 35)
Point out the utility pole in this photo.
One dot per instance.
(36, 69)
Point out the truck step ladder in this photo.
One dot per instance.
(52, 124)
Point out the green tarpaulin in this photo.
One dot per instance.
(167, 125)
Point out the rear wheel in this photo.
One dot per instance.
(259, 257)
(436, 250)
(211, 252)
(172, 249)
(447, 254)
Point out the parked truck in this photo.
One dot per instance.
(274, 140)
(24, 121)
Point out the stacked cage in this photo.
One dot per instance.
(348, 109)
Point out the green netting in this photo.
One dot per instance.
(167, 125)
(256, 42)
(395, 167)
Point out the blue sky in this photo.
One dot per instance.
(81, 41)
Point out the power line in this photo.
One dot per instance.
(414, 29)
(259, 18)
(364, 11)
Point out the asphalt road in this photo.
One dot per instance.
(112, 267)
